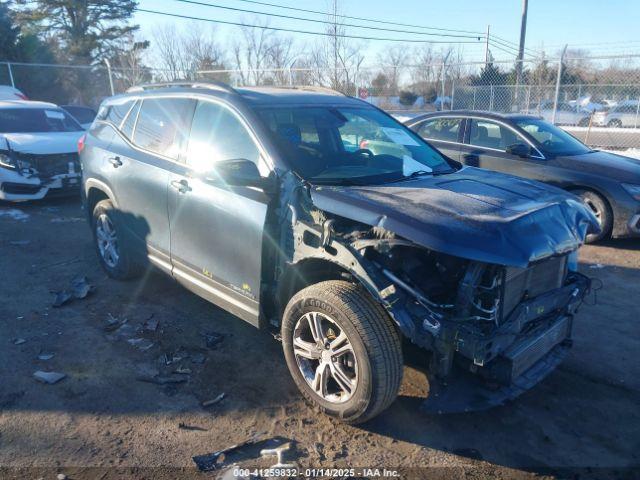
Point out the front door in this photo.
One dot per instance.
(485, 147)
(216, 229)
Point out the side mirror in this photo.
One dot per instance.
(519, 150)
(240, 172)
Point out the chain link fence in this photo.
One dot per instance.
(597, 99)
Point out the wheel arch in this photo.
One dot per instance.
(96, 191)
(575, 188)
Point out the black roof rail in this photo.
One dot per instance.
(210, 84)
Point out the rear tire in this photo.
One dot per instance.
(112, 248)
(614, 124)
(601, 209)
(371, 360)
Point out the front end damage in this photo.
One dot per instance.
(31, 176)
(492, 330)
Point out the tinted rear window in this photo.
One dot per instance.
(115, 113)
(82, 114)
(36, 120)
(163, 125)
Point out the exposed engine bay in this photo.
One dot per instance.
(493, 321)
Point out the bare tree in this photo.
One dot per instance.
(183, 55)
(393, 61)
(252, 53)
(128, 66)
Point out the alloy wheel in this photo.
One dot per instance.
(107, 240)
(325, 357)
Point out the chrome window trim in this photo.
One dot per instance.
(540, 156)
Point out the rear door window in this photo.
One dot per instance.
(488, 134)
(163, 125)
(444, 129)
(218, 134)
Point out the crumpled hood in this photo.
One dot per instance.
(43, 143)
(473, 213)
(605, 164)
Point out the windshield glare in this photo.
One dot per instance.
(350, 145)
(36, 120)
(552, 140)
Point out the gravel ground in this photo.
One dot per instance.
(105, 421)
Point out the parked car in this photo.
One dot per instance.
(625, 115)
(262, 201)
(566, 114)
(530, 147)
(38, 151)
(10, 93)
(84, 115)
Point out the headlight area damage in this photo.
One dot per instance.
(30, 176)
(490, 294)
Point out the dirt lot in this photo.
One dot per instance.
(103, 416)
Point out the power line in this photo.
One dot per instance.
(372, 20)
(289, 17)
(513, 44)
(306, 32)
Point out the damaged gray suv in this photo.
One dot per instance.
(319, 214)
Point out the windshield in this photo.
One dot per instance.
(36, 120)
(350, 145)
(552, 140)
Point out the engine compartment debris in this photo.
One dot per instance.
(49, 377)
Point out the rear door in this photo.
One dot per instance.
(485, 147)
(444, 133)
(216, 229)
(158, 132)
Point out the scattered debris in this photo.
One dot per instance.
(113, 323)
(213, 339)
(19, 243)
(19, 341)
(209, 462)
(142, 344)
(80, 288)
(596, 266)
(182, 371)
(15, 214)
(48, 377)
(62, 298)
(61, 476)
(218, 399)
(279, 453)
(163, 379)
(45, 356)
(151, 324)
(184, 426)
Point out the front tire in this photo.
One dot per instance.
(615, 123)
(602, 211)
(112, 248)
(342, 350)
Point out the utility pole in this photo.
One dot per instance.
(523, 33)
(486, 47)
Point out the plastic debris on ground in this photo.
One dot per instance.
(210, 461)
(80, 288)
(151, 324)
(45, 356)
(19, 341)
(48, 377)
(218, 399)
(213, 339)
(142, 344)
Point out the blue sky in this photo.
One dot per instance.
(605, 27)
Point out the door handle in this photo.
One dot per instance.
(181, 185)
(115, 161)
